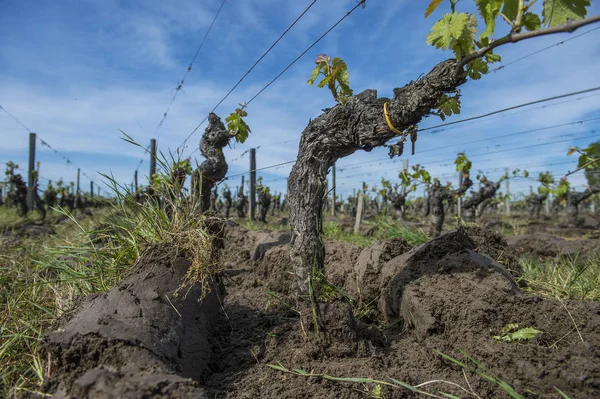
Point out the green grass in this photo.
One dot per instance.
(575, 277)
(272, 223)
(384, 229)
(372, 387)
(41, 277)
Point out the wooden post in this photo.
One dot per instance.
(459, 202)
(507, 194)
(30, 177)
(135, 181)
(152, 159)
(252, 201)
(92, 189)
(359, 212)
(405, 169)
(333, 190)
(78, 176)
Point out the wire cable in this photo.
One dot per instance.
(45, 143)
(181, 82)
(361, 2)
(543, 49)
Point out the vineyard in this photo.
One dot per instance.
(440, 242)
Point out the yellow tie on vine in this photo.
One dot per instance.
(389, 122)
(412, 129)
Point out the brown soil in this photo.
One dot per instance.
(445, 296)
(140, 339)
(27, 230)
(544, 244)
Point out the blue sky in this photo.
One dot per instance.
(76, 72)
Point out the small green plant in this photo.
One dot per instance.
(236, 124)
(335, 77)
(589, 161)
(546, 180)
(513, 332)
(410, 180)
(463, 164)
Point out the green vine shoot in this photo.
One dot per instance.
(237, 126)
(335, 77)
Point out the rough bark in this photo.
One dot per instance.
(264, 200)
(398, 203)
(487, 192)
(227, 197)
(575, 198)
(437, 195)
(535, 203)
(358, 124)
(214, 168)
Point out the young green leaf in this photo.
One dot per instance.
(557, 12)
(237, 125)
(448, 106)
(477, 68)
(336, 77)
(531, 21)
(489, 11)
(511, 9)
(450, 27)
(432, 6)
(314, 76)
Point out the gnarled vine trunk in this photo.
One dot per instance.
(358, 124)
(575, 198)
(214, 168)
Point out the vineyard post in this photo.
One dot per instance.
(78, 176)
(333, 190)
(252, 202)
(592, 206)
(242, 185)
(507, 194)
(152, 159)
(548, 204)
(459, 205)
(135, 181)
(92, 189)
(359, 212)
(405, 169)
(530, 190)
(30, 177)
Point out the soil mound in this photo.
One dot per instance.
(451, 253)
(443, 297)
(492, 244)
(543, 244)
(372, 271)
(27, 230)
(141, 338)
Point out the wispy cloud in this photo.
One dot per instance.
(78, 72)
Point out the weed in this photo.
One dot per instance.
(564, 277)
(514, 333)
(384, 228)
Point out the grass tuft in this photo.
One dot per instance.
(564, 277)
(40, 277)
